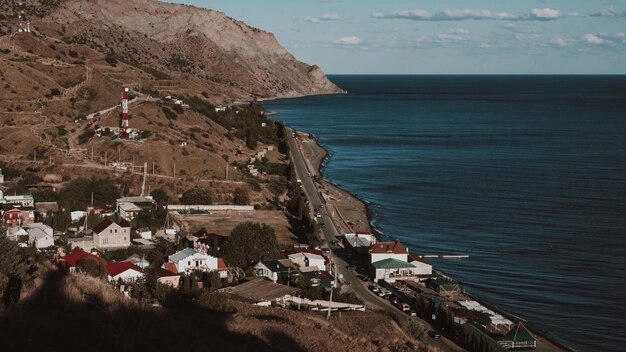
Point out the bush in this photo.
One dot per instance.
(241, 197)
(73, 53)
(169, 114)
(111, 60)
(91, 267)
(215, 302)
(415, 329)
(197, 196)
(55, 92)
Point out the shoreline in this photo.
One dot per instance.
(539, 333)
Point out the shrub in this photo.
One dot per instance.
(199, 196)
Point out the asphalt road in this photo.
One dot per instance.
(330, 233)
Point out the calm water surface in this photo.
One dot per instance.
(526, 174)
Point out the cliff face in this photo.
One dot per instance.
(180, 42)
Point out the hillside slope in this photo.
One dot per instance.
(179, 42)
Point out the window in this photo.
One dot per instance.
(115, 230)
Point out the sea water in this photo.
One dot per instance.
(526, 174)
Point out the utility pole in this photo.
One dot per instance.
(105, 158)
(92, 153)
(35, 155)
(330, 301)
(174, 170)
(119, 154)
(152, 167)
(226, 171)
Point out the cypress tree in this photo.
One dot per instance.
(14, 271)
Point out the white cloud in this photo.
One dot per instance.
(593, 39)
(610, 12)
(458, 31)
(324, 17)
(349, 40)
(562, 41)
(544, 14)
(535, 14)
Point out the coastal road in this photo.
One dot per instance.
(330, 234)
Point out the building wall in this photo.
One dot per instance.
(44, 242)
(422, 268)
(127, 276)
(380, 256)
(113, 236)
(207, 263)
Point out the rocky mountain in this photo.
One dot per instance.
(175, 43)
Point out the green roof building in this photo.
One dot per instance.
(519, 338)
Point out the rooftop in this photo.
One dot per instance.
(72, 259)
(391, 263)
(114, 269)
(389, 247)
(135, 200)
(519, 334)
(129, 207)
(180, 255)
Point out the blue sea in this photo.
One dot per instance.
(526, 174)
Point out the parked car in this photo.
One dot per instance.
(412, 313)
(375, 288)
(384, 292)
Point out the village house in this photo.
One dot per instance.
(204, 242)
(519, 338)
(43, 209)
(109, 235)
(123, 271)
(1, 180)
(14, 215)
(388, 250)
(360, 241)
(308, 259)
(189, 259)
(71, 260)
(276, 269)
(129, 207)
(14, 233)
(165, 277)
(40, 235)
(25, 200)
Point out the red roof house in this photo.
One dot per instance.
(125, 271)
(71, 260)
(386, 250)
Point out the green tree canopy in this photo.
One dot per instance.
(241, 197)
(76, 194)
(197, 196)
(160, 196)
(14, 271)
(250, 243)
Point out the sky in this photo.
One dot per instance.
(443, 36)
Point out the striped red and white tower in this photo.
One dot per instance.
(124, 117)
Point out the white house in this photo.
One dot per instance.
(391, 269)
(25, 200)
(422, 267)
(14, 233)
(387, 250)
(124, 271)
(190, 259)
(107, 234)
(275, 269)
(128, 211)
(2, 179)
(360, 241)
(304, 259)
(77, 215)
(40, 238)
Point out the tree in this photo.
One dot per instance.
(160, 196)
(250, 243)
(197, 196)
(241, 197)
(251, 138)
(91, 267)
(15, 271)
